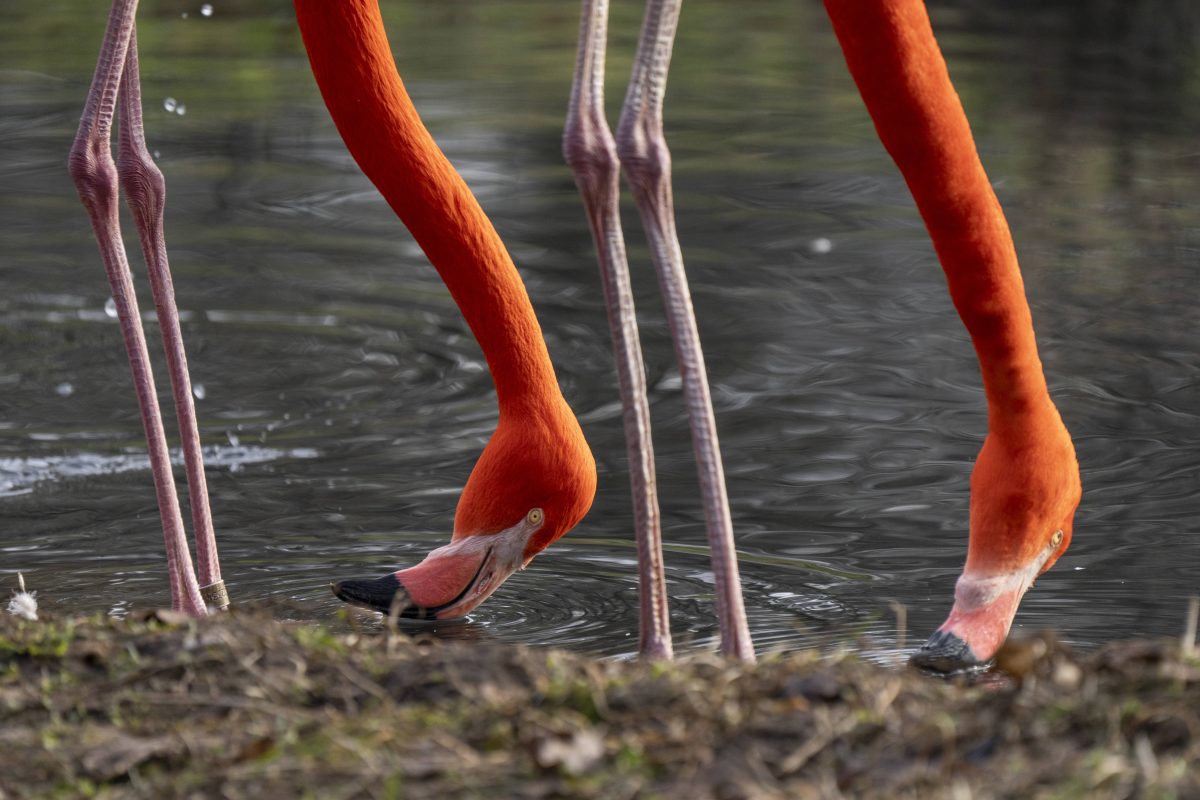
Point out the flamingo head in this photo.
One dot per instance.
(1024, 492)
(534, 482)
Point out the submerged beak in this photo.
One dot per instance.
(975, 629)
(451, 581)
(984, 607)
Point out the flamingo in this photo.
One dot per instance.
(536, 478)
(1025, 485)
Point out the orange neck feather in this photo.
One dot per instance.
(1025, 484)
(900, 72)
(353, 65)
(538, 456)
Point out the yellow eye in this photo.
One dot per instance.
(535, 516)
(1056, 538)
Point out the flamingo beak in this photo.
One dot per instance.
(973, 632)
(984, 607)
(451, 581)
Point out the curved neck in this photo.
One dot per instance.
(900, 72)
(348, 49)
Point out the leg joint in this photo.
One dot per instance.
(142, 181)
(589, 149)
(644, 154)
(90, 165)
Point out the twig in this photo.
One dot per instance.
(224, 701)
(363, 682)
(1188, 644)
(901, 612)
(817, 742)
(1147, 761)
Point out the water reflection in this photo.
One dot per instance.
(847, 398)
(25, 475)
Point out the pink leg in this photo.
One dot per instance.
(95, 176)
(590, 150)
(145, 194)
(647, 162)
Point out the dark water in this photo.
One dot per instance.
(345, 402)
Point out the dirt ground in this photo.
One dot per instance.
(244, 706)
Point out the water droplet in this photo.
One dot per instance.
(110, 308)
(820, 245)
(206, 10)
(233, 438)
(169, 104)
(181, 109)
(64, 389)
(184, 15)
(198, 391)
(157, 155)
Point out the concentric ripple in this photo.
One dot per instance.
(847, 393)
(583, 595)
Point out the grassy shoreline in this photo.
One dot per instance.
(242, 705)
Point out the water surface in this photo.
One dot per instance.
(344, 401)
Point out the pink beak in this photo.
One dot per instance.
(430, 590)
(971, 635)
(451, 581)
(984, 607)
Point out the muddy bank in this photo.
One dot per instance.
(243, 706)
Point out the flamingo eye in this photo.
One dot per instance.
(1056, 538)
(535, 516)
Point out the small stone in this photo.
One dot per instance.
(821, 687)
(573, 753)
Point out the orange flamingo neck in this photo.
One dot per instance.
(894, 58)
(537, 458)
(354, 68)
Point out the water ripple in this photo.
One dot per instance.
(20, 476)
(847, 393)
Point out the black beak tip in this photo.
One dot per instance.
(374, 593)
(945, 652)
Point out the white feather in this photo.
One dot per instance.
(23, 604)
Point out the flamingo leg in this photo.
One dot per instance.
(642, 149)
(145, 194)
(94, 173)
(591, 151)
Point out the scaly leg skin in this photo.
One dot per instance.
(643, 152)
(95, 176)
(589, 148)
(145, 194)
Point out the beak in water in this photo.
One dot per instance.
(984, 607)
(452, 580)
(977, 626)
